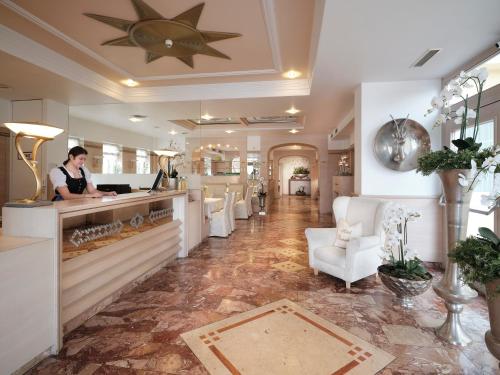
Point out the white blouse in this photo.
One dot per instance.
(58, 178)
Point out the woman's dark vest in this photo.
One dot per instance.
(75, 185)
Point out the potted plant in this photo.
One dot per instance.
(479, 259)
(301, 171)
(403, 272)
(459, 174)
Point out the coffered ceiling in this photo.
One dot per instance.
(275, 36)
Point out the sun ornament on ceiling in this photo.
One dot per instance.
(177, 37)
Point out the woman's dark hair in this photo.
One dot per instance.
(75, 151)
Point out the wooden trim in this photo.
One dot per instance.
(483, 56)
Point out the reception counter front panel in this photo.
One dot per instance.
(103, 246)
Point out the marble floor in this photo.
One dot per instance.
(263, 261)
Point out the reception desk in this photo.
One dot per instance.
(103, 247)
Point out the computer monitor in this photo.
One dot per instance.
(157, 181)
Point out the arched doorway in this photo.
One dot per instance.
(283, 158)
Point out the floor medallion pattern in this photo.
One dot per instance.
(288, 266)
(282, 338)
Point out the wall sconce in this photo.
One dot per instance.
(41, 133)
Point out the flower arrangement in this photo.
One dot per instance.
(468, 154)
(300, 170)
(479, 257)
(401, 261)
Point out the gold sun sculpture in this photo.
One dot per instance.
(177, 37)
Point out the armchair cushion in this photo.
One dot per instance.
(332, 255)
(364, 243)
(318, 237)
(345, 232)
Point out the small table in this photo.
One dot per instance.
(213, 205)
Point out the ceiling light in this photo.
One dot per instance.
(201, 147)
(292, 110)
(137, 118)
(129, 82)
(227, 146)
(294, 131)
(172, 132)
(210, 145)
(218, 144)
(292, 74)
(235, 147)
(187, 143)
(207, 117)
(229, 131)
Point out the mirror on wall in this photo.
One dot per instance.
(121, 139)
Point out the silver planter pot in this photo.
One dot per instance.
(404, 289)
(450, 288)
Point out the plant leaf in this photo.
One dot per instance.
(489, 235)
(461, 144)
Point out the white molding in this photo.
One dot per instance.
(210, 75)
(18, 45)
(234, 90)
(268, 7)
(44, 25)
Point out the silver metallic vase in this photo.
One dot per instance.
(450, 288)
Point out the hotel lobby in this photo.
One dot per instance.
(249, 187)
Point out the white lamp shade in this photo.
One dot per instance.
(32, 129)
(166, 152)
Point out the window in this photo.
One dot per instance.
(73, 141)
(253, 166)
(111, 159)
(142, 162)
(485, 136)
(235, 165)
(207, 166)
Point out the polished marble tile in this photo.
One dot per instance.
(140, 332)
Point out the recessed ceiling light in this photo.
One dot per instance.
(207, 117)
(187, 143)
(201, 147)
(218, 144)
(227, 146)
(292, 110)
(229, 131)
(294, 131)
(137, 118)
(235, 147)
(292, 74)
(172, 132)
(209, 145)
(129, 82)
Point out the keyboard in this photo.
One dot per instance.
(138, 194)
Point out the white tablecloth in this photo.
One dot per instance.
(213, 204)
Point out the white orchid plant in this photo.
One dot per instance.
(469, 154)
(401, 261)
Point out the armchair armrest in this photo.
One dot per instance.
(317, 237)
(363, 243)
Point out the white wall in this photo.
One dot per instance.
(375, 103)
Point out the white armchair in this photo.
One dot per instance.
(361, 257)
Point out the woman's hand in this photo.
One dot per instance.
(96, 194)
(111, 193)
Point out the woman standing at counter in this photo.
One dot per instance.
(72, 178)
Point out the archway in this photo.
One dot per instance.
(278, 183)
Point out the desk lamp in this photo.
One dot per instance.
(41, 133)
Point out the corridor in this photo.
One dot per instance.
(264, 260)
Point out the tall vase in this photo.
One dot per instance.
(492, 337)
(451, 288)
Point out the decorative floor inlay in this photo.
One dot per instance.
(289, 252)
(291, 241)
(288, 266)
(282, 338)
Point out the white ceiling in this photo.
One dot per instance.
(379, 40)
